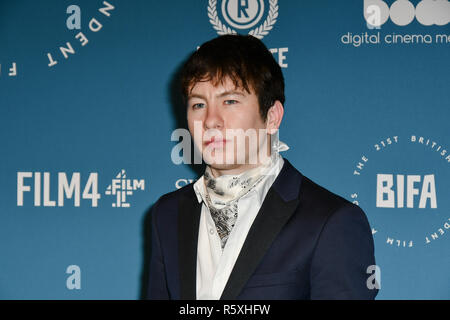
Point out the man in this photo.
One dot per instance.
(252, 227)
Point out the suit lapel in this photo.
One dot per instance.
(188, 225)
(278, 206)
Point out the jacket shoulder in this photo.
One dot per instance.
(166, 207)
(320, 201)
(173, 196)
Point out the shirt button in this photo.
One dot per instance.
(211, 231)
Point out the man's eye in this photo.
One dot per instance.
(198, 105)
(230, 101)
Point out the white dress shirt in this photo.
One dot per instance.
(214, 266)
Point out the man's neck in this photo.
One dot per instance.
(236, 169)
(233, 170)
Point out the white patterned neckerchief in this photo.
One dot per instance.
(224, 192)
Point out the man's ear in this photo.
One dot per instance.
(274, 117)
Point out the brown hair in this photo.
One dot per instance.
(245, 60)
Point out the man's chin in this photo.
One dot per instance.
(223, 166)
(231, 166)
(220, 164)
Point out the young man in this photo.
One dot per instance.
(252, 227)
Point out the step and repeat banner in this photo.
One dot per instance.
(89, 110)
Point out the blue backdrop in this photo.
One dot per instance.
(88, 106)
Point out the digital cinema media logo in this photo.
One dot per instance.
(403, 12)
(243, 15)
(40, 186)
(403, 185)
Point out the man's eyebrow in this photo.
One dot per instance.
(195, 95)
(230, 93)
(221, 95)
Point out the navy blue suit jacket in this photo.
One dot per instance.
(305, 243)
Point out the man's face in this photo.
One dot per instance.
(226, 125)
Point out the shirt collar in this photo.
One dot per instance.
(261, 189)
(200, 189)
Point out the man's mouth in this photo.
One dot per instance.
(215, 142)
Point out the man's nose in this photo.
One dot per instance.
(213, 118)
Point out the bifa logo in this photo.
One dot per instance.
(400, 182)
(73, 188)
(122, 187)
(403, 12)
(390, 196)
(243, 15)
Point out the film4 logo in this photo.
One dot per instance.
(36, 186)
(122, 187)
